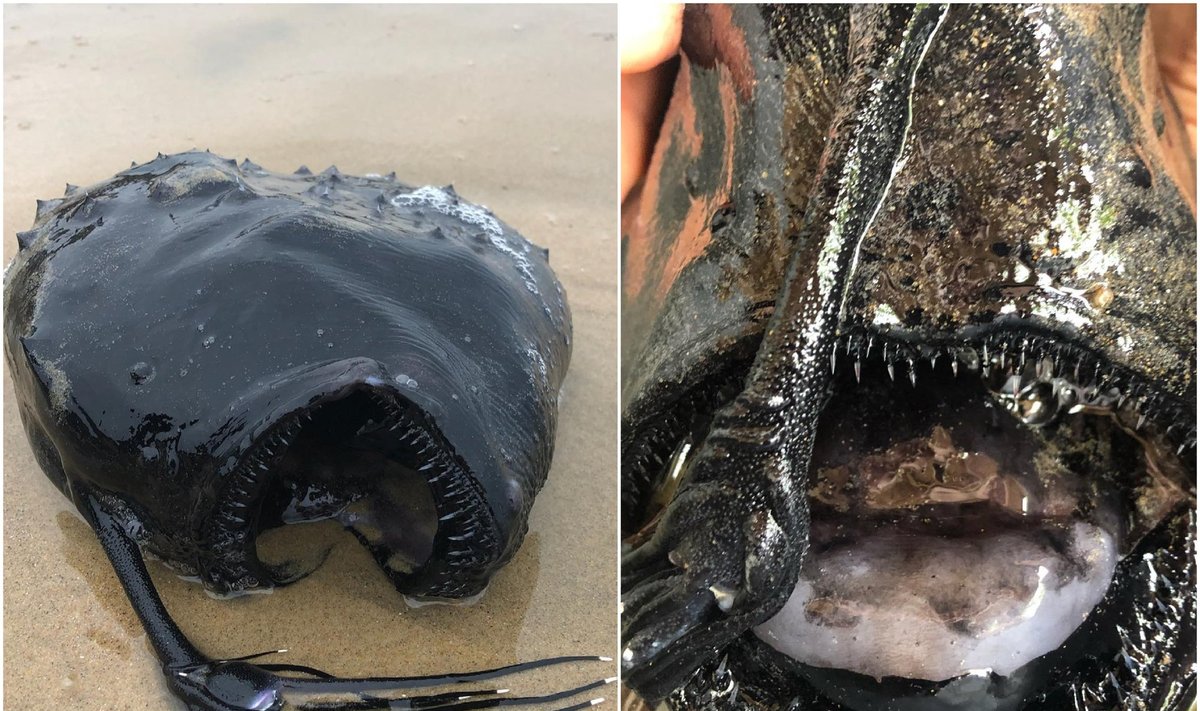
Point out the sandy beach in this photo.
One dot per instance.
(516, 106)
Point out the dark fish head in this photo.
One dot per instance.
(1000, 496)
(215, 350)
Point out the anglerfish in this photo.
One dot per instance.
(203, 351)
(909, 358)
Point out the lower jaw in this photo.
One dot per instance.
(899, 604)
(950, 545)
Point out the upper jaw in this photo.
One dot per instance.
(1098, 377)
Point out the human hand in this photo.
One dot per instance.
(649, 37)
(1174, 28)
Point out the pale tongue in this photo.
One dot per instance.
(924, 607)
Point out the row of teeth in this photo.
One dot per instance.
(1061, 379)
(468, 543)
(1034, 379)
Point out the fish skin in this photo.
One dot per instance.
(161, 323)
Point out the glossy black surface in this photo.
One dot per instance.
(170, 329)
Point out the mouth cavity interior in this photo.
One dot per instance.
(365, 460)
(966, 518)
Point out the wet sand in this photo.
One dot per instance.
(513, 105)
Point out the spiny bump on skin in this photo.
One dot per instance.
(303, 170)
(71, 190)
(24, 239)
(320, 189)
(45, 206)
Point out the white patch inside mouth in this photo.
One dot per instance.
(924, 607)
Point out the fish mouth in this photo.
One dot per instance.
(370, 459)
(972, 498)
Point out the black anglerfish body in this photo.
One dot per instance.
(203, 350)
(909, 366)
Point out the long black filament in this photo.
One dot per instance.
(332, 685)
(462, 702)
(205, 684)
(172, 647)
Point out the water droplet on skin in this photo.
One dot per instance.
(141, 373)
(320, 332)
(329, 345)
(467, 339)
(209, 341)
(200, 327)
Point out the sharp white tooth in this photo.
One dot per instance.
(1141, 420)
(954, 366)
(833, 361)
(724, 595)
(857, 370)
(891, 371)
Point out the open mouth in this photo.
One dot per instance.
(971, 502)
(369, 459)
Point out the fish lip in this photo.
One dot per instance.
(467, 545)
